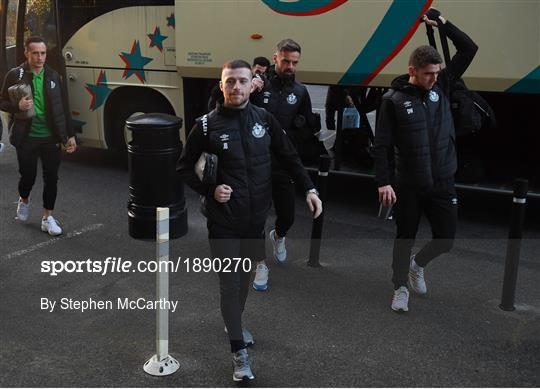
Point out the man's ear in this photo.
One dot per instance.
(274, 58)
(412, 72)
(220, 85)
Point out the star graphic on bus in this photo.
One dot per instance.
(99, 92)
(156, 39)
(135, 62)
(171, 21)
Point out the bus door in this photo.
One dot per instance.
(20, 19)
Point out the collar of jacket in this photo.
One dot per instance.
(230, 112)
(276, 79)
(402, 84)
(27, 69)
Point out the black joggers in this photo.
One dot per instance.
(226, 244)
(284, 198)
(440, 207)
(28, 153)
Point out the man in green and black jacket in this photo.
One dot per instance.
(38, 137)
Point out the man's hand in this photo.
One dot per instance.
(71, 145)
(26, 103)
(222, 194)
(256, 84)
(387, 196)
(315, 204)
(433, 17)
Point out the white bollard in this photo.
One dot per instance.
(162, 363)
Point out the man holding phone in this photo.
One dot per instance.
(38, 136)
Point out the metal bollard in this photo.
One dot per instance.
(521, 186)
(316, 230)
(162, 363)
(338, 144)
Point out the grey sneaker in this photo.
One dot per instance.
(248, 338)
(279, 249)
(51, 226)
(241, 367)
(416, 278)
(260, 282)
(23, 210)
(400, 301)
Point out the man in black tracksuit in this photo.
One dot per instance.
(38, 137)
(415, 152)
(242, 136)
(289, 101)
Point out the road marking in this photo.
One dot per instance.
(49, 242)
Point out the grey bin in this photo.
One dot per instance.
(152, 155)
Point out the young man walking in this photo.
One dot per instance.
(415, 157)
(40, 136)
(242, 136)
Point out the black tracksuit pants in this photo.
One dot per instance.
(440, 207)
(48, 151)
(234, 285)
(284, 198)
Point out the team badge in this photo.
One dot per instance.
(258, 131)
(291, 99)
(433, 96)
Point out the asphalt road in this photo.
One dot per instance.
(330, 327)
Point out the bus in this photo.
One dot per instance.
(125, 57)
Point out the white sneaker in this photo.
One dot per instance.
(241, 367)
(51, 226)
(261, 277)
(23, 210)
(416, 278)
(2, 147)
(400, 301)
(280, 251)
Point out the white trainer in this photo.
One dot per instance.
(400, 301)
(2, 147)
(23, 210)
(280, 251)
(260, 282)
(51, 226)
(416, 278)
(241, 366)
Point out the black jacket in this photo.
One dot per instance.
(286, 98)
(242, 140)
(415, 137)
(56, 108)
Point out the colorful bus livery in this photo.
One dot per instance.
(126, 57)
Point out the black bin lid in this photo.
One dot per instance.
(153, 121)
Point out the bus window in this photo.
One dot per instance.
(40, 20)
(11, 27)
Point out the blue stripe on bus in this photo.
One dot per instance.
(528, 84)
(398, 21)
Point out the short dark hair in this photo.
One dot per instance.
(33, 39)
(289, 46)
(261, 61)
(424, 55)
(236, 64)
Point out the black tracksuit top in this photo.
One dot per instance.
(243, 140)
(415, 136)
(56, 106)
